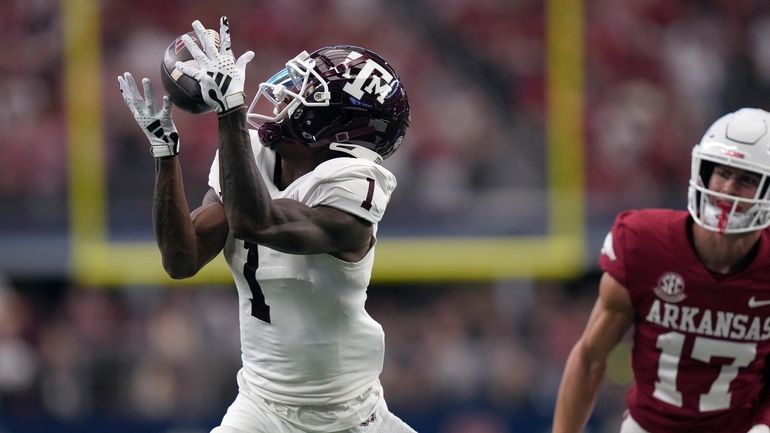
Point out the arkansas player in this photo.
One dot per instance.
(695, 287)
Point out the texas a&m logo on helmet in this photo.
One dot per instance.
(372, 78)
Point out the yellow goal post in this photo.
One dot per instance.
(98, 262)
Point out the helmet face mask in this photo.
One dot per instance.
(726, 213)
(343, 94)
(287, 89)
(740, 140)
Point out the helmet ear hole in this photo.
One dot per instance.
(315, 124)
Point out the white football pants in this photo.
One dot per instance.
(247, 415)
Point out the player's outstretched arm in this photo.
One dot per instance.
(187, 240)
(252, 215)
(282, 224)
(611, 317)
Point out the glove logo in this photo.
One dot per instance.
(218, 79)
(157, 130)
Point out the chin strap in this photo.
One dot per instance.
(272, 133)
(357, 151)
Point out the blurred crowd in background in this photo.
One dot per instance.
(470, 358)
(483, 357)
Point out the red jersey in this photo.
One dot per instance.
(700, 339)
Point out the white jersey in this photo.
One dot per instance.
(306, 338)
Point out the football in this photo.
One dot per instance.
(183, 90)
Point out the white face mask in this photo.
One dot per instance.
(700, 202)
(726, 220)
(299, 83)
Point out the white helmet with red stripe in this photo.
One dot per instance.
(741, 140)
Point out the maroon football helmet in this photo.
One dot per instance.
(344, 97)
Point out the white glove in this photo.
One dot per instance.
(158, 126)
(760, 428)
(221, 77)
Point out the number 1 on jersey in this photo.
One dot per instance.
(367, 203)
(259, 308)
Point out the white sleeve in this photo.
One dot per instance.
(214, 175)
(361, 189)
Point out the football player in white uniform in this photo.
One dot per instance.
(294, 204)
